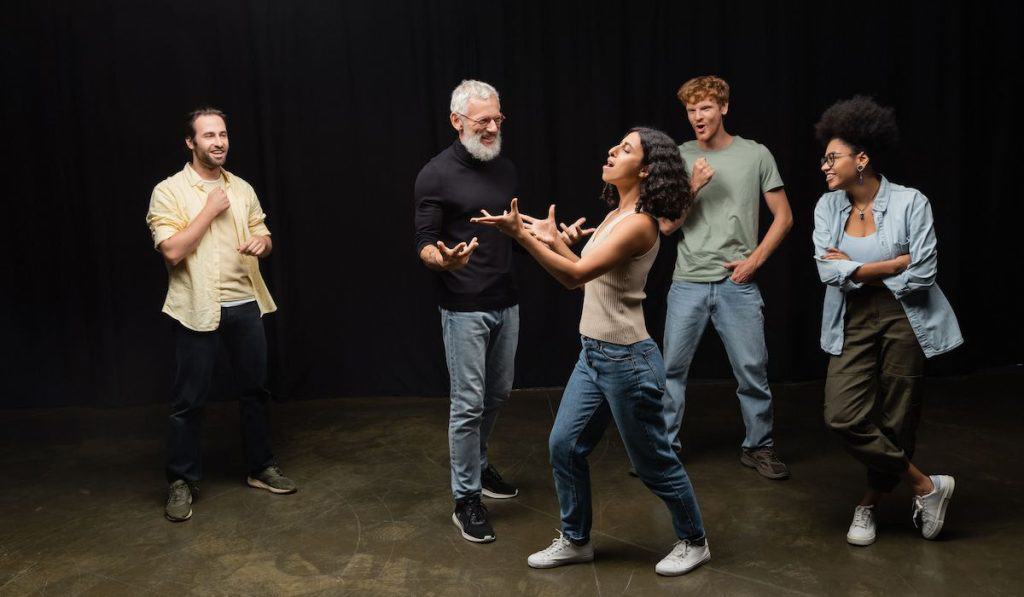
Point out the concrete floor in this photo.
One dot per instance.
(82, 506)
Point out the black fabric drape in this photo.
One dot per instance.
(334, 107)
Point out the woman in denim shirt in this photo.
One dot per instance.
(875, 248)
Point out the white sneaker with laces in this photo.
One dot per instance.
(562, 552)
(862, 529)
(930, 509)
(683, 558)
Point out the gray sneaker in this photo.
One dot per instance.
(766, 462)
(273, 480)
(179, 502)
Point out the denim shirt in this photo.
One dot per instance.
(903, 218)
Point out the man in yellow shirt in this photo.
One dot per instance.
(208, 224)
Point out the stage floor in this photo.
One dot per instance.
(81, 511)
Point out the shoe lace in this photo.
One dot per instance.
(918, 511)
(477, 511)
(493, 473)
(680, 548)
(557, 545)
(861, 517)
(768, 454)
(179, 491)
(273, 471)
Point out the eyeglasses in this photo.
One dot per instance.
(830, 158)
(486, 122)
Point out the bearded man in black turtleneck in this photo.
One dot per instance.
(477, 292)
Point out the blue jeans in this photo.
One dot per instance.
(624, 383)
(480, 349)
(737, 311)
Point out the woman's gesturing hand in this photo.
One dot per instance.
(543, 230)
(572, 234)
(546, 230)
(510, 222)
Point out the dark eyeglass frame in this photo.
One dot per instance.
(830, 158)
(485, 122)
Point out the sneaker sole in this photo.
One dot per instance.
(859, 542)
(498, 496)
(548, 565)
(173, 519)
(703, 561)
(751, 463)
(947, 493)
(261, 485)
(468, 537)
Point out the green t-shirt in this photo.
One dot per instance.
(722, 225)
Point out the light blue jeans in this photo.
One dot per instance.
(623, 383)
(737, 312)
(480, 349)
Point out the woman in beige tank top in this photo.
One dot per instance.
(620, 374)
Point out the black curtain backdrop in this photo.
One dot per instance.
(334, 107)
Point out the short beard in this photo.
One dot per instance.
(204, 158)
(484, 153)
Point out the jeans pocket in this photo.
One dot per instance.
(655, 366)
(615, 352)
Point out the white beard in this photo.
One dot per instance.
(484, 153)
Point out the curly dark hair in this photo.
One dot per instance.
(665, 191)
(863, 124)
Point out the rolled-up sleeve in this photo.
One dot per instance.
(924, 257)
(833, 272)
(257, 218)
(429, 209)
(165, 218)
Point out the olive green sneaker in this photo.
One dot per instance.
(273, 480)
(179, 502)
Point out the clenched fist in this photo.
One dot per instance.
(702, 173)
(217, 201)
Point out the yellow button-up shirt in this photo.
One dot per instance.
(193, 289)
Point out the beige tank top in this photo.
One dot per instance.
(613, 303)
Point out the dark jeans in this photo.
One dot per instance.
(241, 331)
(873, 389)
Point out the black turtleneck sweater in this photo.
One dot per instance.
(452, 188)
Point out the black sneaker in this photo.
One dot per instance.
(766, 462)
(273, 480)
(494, 487)
(179, 502)
(471, 517)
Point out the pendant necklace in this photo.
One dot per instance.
(869, 204)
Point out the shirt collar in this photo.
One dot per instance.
(194, 180)
(881, 198)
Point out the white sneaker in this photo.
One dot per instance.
(683, 558)
(862, 529)
(931, 508)
(562, 552)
